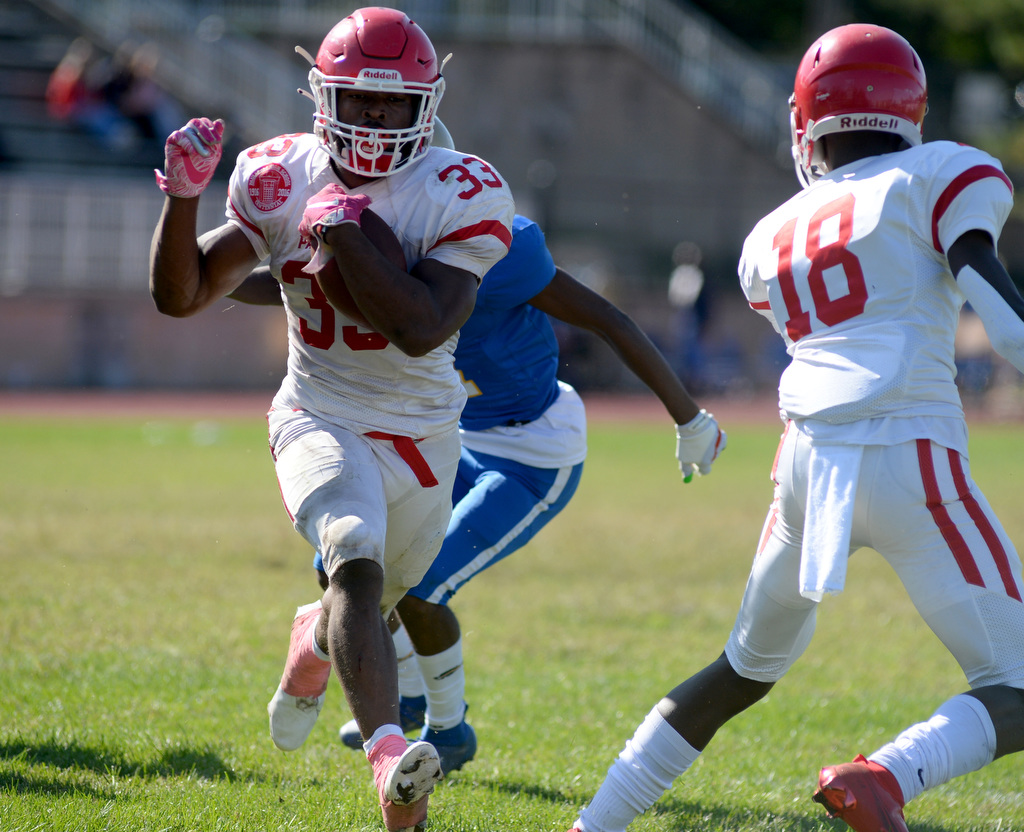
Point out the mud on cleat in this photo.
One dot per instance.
(299, 697)
(292, 718)
(405, 789)
(415, 774)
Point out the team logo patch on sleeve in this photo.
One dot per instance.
(269, 187)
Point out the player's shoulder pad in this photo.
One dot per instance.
(528, 241)
(443, 158)
(290, 152)
(946, 157)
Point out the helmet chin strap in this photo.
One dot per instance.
(796, 148)
(369, 155)
(802, 175)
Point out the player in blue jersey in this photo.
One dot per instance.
(523, 445)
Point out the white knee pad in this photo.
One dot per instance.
(348, 538)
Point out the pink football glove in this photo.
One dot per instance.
(698, 444)
(330, 207)
(191, 155)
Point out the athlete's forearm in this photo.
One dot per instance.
(260, 288)
(416, 311)
(1003, 325)
(174, 275)
(640, 355)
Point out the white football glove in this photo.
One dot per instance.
(698, 444)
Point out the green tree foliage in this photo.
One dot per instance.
(967, 34)
(953, 37)
(971, 34)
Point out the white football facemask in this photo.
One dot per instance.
(373, 151)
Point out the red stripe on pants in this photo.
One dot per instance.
(933, 499)
(988, 532)
(407, 449)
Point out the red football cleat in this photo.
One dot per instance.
(858, 794)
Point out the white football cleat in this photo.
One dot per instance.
(292, 718)
(414, 776)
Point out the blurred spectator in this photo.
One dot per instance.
(684, 289)
(974, 356)
(66, 91)
(72, 96)
(132, 88)
(115, 99)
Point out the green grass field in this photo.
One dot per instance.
(148, 577)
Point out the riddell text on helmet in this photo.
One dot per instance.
(870, 122)
(380, 74)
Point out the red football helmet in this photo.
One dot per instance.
(855, 77)
(378, 50)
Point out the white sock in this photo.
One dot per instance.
(410, 680)
(320, 654)
(640, 775)
(379, 734)
(445, 680)
(958, 738)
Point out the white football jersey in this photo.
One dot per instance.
(448, 206)
(852, 273)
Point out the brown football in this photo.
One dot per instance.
(380, 234)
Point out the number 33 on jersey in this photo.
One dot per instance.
(448, 206)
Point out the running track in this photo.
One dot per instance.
(206, 405)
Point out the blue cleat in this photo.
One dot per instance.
(412, 711)
(455, 746)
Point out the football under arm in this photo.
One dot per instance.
(260, 288)
(991, 292)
